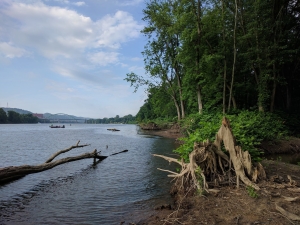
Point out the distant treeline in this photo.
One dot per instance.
(128, 119)
(14, 117)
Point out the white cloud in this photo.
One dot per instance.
(57, 87)
(60, 32)
(135, 59)
(63, 71)
(116, 29)
(104, 58)
(9, 51)
(137, 69)
(131, 2)
(79, 3)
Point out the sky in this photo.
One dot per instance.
(65, 56)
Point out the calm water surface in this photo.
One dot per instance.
(123, 187)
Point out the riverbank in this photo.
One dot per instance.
(236, 206)
(239, 206)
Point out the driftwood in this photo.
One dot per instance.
(65, 150)
(208, 165)
(289, 215)
(15, 172)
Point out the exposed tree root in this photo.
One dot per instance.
(289, 215)
(209, 165)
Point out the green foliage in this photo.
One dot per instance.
(28, 118)
(201, 127)
(189, 52)
(252, 192)
(128, 119)
(250, 128)
(3, 116)
(14, 117)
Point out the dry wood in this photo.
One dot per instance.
(290, 199)
(65, 150)
(15, 172)
(294, 189)
(289, 215)
(208, 164)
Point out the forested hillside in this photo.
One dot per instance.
(222, 56)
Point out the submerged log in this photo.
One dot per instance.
(15, 172)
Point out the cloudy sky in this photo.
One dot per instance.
(65, 56)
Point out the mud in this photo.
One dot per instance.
(238, 205)
(241, 205)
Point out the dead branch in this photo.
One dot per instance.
(169, 159)
(289, 215)
(66, 150)
(15, 172)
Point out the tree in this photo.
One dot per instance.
(160, 54)
(192, 42)
(3, 116)
(14, 117)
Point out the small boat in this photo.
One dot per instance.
(113, 129)
(63, 126)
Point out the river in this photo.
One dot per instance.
(122, 187)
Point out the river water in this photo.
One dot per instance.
(122, 187)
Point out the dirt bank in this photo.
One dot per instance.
(236, 206)
(239, 206)
(286, 146)
(172, 132)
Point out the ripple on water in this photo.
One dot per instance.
(78, 192)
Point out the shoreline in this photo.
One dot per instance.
(166, 133)
(235, 205)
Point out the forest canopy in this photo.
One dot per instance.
(222, 56)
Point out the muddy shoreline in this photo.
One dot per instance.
(235, 205)
(167, 133)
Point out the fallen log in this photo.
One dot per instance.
(65, 150)
(15, 172)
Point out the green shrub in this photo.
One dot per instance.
(252, 192)
(250, 128)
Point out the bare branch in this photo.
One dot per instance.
(66, 150)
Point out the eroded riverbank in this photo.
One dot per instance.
(239, 206)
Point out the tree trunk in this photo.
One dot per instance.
(232, 99)
(177, 108)
(180, 95)
(234, 54)
(274, 90)
(225, 62)
(15, 172)
(200, 106)
(197, 13)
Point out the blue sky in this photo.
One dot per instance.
(64, 56)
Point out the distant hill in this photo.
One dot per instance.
(20, 111)
(58, 116)
(62, 116)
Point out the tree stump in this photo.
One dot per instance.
(209, 166)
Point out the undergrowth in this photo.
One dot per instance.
(252, 192)
(250, 128)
